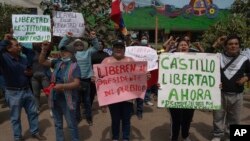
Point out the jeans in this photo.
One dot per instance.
(228, 114)
(147, 95)
(139, 106)
(92, 92)
(37, 84)
(84, 93)
(180, 119)
(61, 108)
(17, 100)
(121, 111)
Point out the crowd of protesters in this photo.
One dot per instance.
(26, 74)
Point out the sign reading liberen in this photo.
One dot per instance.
(31, 28)
(68, 22)
(189, 80)
(142, 53)
(121, 81)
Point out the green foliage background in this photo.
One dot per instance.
(5, 17)
(236, 23)
(96, 15)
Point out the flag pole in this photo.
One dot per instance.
(156, 31)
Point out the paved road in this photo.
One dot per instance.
(153, 127)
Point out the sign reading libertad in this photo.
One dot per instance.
(31, 28)
(65, 22)
(189, 80)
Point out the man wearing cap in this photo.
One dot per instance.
(65, 81)
(17, 72)
(83, 56)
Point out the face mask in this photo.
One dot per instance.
(144, 42)
(66, 59)
(133, 36)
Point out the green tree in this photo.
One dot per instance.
(6, 12)
(236, 23)
(96, 15)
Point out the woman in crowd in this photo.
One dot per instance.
(63, 96)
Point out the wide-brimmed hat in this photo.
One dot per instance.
(68, 48)
(84, 43)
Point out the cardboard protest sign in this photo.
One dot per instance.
(65, 22)
(142, 53)
(31, 28)
(121, 81)
(189, 80)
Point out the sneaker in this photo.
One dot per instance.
(39, 137)
(51, 114)
(216, 139)
(149, 103)
(187, 139)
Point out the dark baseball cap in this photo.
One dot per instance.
(118, 43)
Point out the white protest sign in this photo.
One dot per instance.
(31, 28)
(65, 22)
(189, 80)
(141, 53)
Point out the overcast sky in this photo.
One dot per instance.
(222, 4)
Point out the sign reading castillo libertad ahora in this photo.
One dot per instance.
(189, 81)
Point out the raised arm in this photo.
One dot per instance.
(65, 40)
(42, 57)
(94, 42)
(217, 44)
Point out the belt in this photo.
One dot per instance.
(17, 88)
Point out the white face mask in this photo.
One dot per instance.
(144, 42)
(66, 59)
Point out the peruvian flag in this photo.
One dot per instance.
(116, 13)
(116, 16)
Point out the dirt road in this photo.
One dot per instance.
(155, 125)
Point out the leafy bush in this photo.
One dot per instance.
(236, 23)
(6, 12)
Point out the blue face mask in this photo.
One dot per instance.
(144, 42)
(67, 59)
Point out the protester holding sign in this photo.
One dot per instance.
(235, 71)
(63, 97)
(147, 99)
(83, 57)
(181, 118)
(142, 53)
(121, 110)
(17, 72)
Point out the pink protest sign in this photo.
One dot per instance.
(121, 81)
